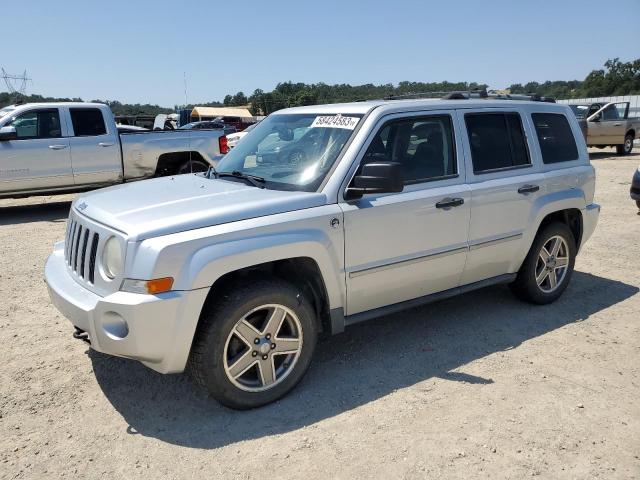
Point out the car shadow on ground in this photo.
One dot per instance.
(365, 363)
(37, 212)
(609, 154)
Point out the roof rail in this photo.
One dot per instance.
(470, 94)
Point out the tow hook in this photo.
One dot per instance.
(81, 335)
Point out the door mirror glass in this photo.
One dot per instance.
(8, 133)
(377, 177)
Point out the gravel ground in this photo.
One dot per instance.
(480, 386)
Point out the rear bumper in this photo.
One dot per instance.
(155, 329)
(590, 216)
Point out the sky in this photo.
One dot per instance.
(140, 50)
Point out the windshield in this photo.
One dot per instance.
(291, 151)
(6, 110)
(580, 111)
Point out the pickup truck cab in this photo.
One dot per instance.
(608, 125)
(65, 147)
(372, 207)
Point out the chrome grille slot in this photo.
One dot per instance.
(84, 244)
(76, 245)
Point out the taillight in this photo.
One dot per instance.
(224, 146)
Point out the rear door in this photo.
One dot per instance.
(401, 246)
(39, 158)
(95, 148)
(504, 184)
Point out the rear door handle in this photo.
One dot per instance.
(449, 202)
(617, 124)
(57, 147)
(106, 144)
(528, 189)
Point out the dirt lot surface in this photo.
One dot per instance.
(480, 386)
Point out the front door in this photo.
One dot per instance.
(402, 246)
(39, 158)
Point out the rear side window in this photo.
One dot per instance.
(555, 137)
(497, 141)
(87, 122)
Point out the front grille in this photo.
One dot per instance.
(81, 248)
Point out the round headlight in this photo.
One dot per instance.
(112, 258)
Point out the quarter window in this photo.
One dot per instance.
(555, 137)
(37, 124)
(423, 145)
(497, 141)
(87, 122)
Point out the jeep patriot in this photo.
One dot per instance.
(321, 217)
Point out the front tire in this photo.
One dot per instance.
(254, 344)
(547, 269)
(626, 147)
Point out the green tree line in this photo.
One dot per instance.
(616, 78)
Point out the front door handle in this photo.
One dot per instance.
(449, 202)
(106, 144)
(617, 124)
(528, 189)
(57, 147)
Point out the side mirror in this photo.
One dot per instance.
(378, 177)
(596, 117)
(8, 133)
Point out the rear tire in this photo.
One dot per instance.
(243, 359)
(545, 273)
(626, 147)
(192, 166)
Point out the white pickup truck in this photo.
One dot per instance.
(65, 147)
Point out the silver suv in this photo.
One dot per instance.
(324, 216)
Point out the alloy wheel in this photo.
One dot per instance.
(263, 348)
(553, 264)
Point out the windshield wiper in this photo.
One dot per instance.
(252, 179)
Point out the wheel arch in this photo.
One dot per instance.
(169, 162)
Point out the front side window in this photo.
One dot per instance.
(555, 137)
(37, 124)
(291, 151)
(610, 113)
(497, 141)
(424, 147)
(87, 122)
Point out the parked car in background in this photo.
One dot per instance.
(60, 147)
(209, 125)
(234, 138)
(387, 205)
(608, 125)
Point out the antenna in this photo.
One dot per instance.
(12, 86)
(184, 74)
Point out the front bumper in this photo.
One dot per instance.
(589, 221)
(155, 329)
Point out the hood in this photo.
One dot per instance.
(161, 206)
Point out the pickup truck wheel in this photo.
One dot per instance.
(192, 166)
(547, 269)
(626, 147)
(254, 344)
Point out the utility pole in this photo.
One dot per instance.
(16, 84)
